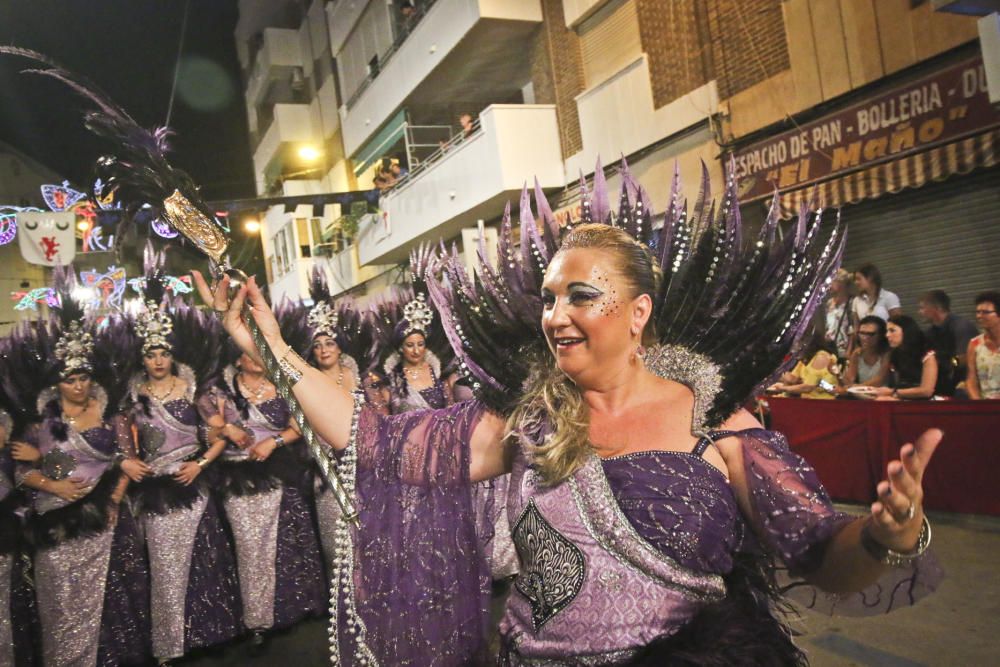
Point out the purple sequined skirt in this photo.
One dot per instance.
(212, 609)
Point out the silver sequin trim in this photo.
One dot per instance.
(608, 525)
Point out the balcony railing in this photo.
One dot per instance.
(404, 29)
(471, 177)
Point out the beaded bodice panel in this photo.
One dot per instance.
(681, 504)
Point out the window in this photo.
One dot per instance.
(283, 256)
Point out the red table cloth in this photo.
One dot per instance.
(850, 442)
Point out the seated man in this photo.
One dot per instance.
(949, 336)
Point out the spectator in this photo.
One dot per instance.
(380, 183)
(398, 172)
(838, 313)
(468, 125)
(815, 376)
(913, 370)
(872, 299)
(949, 335)
(983, 355)
(868, 364)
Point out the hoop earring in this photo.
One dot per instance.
(638, 352)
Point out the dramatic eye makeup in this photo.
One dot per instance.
(608, 303)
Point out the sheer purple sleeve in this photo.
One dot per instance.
(422, 583)
(21, 469)
(124, 438)
(795, 519)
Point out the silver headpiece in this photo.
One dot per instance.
(322, 319)
(153, 326)
(73, 349)
(418, 315)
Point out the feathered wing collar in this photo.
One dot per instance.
(184, 372)
(730, 310)
(50, 394)
(394, 360)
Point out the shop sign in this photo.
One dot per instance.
(945, 106)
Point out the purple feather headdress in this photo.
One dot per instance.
(731, 310)
(136, 172)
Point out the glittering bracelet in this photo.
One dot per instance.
(279, 441)
(202, 462)
(293, 374)
(887, 556)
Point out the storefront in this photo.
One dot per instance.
(915, 172)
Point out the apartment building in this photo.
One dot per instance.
(549, 86)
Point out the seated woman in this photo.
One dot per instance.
(814, 379)
(868, 365)
(913, 371)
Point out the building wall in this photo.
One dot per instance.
(557, 73)
(787, 57)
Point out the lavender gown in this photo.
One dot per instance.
(277, 550)
(91, 575)
(628, 552)
(195, 591)
(15, 617)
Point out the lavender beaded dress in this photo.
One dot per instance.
(17, 612)
(277, 550)
(633, 560)
(90, 570)
(195, 591)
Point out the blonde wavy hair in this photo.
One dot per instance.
(551, 419)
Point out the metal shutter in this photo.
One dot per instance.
(610, 41)
(941, 236)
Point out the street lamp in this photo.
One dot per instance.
(251, 225)
(309, 153)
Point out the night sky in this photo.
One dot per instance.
(129, 48)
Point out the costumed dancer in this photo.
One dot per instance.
(195, 599)
(640, 493)
(90, 570)
(331, 336)
(263, 484)
(413, 351)
(17, 612)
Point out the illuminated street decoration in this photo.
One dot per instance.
(29, 300)
(107, 289)
(47, 238)
(172, 283)
(61, 197)
(8, 227)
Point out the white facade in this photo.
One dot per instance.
(376, 79)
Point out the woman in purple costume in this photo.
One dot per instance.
(90, 571)
(414, 372)
(646, 507)
(262, 479)
(195, 591)
(16, 617)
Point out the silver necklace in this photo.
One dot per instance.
(71, 419)
(413, 374)
(173, 385)
(258, 393)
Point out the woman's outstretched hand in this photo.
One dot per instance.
(230, 310)
(898, 513)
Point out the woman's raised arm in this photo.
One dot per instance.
(328, 407)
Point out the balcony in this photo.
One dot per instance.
(472, 180)
(460, 50)
(628, 95)
(292, 124)
(280, 53)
